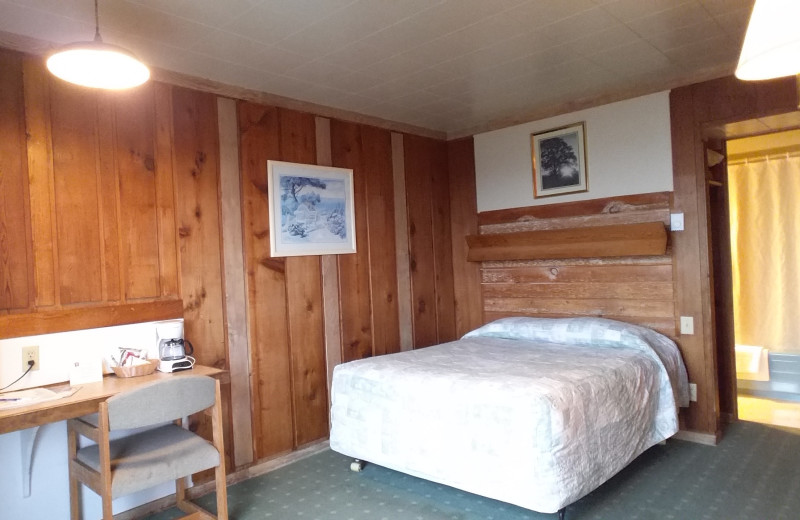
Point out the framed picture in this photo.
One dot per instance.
(310, 209)
(559, 161)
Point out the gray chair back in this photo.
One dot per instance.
(161, 401)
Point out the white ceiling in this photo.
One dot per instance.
(452, 66)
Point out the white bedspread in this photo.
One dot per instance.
(536, 424)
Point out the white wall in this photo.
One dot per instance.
(628, 151)
(49, 483)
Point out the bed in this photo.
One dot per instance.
(530, 411)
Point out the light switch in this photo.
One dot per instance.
(687, 325)
(676, 221)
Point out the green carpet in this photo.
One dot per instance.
(754, 473)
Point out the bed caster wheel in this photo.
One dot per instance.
(357, 465)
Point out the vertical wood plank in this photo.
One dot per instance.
(259, 131)
(197, 186)
(16, 274)
(442, 243)
(686, 251)
(330, 270)
(40, 178)
(304, 303)
(74, 133)
(134, 113)
(111, 249)
(464, 222)
(346, 152)
(401, 232)
(377, 161)
(165, 192)
(196, 170)
(418, 151)
(235, 295)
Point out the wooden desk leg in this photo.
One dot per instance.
(27, 440)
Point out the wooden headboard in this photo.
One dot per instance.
(609, 258)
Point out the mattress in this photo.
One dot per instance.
(533, 412)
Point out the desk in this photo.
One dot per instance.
(85, 401)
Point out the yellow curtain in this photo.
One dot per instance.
(765, 241)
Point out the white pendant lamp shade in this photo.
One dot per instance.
(772, 43)
(98, 65)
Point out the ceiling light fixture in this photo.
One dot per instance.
(772, 43)
(97, 64)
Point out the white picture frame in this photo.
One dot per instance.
(311, 209)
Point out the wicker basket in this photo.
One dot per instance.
(137, 370)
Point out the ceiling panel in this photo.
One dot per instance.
(453, 67)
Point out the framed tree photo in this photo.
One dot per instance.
(559, 161)
(310, 209)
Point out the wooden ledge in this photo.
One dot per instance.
(645, 239)
(88, 317)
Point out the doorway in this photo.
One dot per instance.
(754, 204)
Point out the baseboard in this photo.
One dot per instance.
(252, 470)
(708, 439)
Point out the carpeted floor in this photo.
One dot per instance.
(754, 473)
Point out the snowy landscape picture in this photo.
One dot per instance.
(311, 209)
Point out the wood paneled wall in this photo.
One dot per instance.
(633, 289)
(286, 301)
(88, 181)
(110, 213)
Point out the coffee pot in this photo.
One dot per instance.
(171, 349)
(174, 352)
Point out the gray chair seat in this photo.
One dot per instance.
(140, 460)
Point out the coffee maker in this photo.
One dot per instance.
(174, 352)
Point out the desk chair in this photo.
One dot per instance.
(129, 464)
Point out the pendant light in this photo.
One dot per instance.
(772, 43)
(97, 64)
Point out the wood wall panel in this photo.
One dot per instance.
(75, 160)
(135, 159)
(442, 243)
(354, 269)
(196, 169)
(420, 239)
(40, 181)
(377, 163)
(259, 140)
(197, 213)
(464, 222)
(430, 262)
(165, 192)
(108, 179)
(16, 275)
(304, 303)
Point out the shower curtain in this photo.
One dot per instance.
(765, 241)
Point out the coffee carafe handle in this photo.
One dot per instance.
(187, 347)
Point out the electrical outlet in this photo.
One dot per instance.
(693, 392)
(30, 354)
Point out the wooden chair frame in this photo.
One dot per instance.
(100, 482)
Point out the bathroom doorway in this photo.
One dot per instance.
(763, 195)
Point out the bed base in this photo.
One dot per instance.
(357, 465)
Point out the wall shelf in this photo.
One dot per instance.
(644, 239)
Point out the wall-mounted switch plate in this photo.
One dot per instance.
(693, 392)
(676, 221)
(687, 325)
